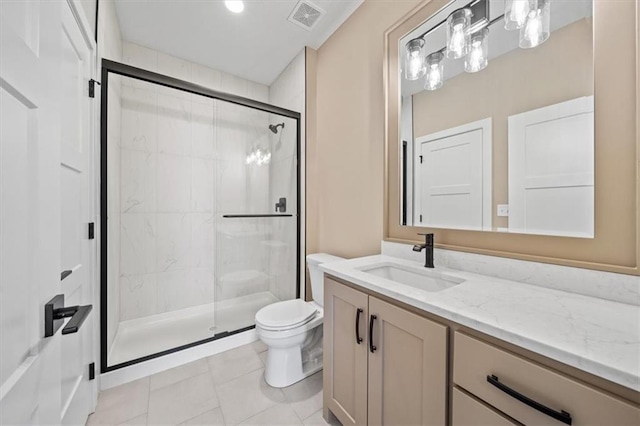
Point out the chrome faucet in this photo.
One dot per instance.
(428, 250)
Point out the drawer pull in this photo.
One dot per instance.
(372, 347)
(358, 338)
(561, 416)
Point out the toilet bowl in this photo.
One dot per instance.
(292, 331)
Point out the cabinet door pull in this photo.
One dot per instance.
(358, 338)
(561, 416)
(372, 347)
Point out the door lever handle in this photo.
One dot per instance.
(55, 313)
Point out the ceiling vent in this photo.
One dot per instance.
(306, 15)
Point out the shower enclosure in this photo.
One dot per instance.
(200, 213)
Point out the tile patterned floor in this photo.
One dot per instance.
(224, 389)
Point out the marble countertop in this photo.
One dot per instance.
(598, 336)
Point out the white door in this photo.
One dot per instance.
(453, 177)
(39, 376)
(551, 170)
(76, 60)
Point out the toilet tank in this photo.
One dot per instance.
(314, 261)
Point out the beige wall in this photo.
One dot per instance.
(522, 80)
(346, 162)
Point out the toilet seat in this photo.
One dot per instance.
(285, 315)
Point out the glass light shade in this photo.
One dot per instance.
(515, 14)
(414, 60)
(536, 30)
(458, 33)
(478, 57)
(435, 71)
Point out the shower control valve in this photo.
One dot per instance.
(281, 205)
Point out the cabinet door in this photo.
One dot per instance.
(407, 367)
(345, 370)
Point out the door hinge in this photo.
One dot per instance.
(92, 88)
(92, 231)
(92, 371)
(420, 156)
(421, 218)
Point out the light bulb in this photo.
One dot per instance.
(414, 60)
(536, 30)
(415, 64)
(457, 40)
(533, 29)
(515, 14)
(435, 78)
(435, 74)
(235, 6)
(477, 59)
(458, 33)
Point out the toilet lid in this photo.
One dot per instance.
(287, 314)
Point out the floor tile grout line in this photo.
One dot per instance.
(237, 378)
(148, 400)
(201, 414)
(313, 414)
(258, 413)
(179, 381)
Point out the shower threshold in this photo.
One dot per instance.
(141, 337)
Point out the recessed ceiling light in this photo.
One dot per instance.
(236, 6)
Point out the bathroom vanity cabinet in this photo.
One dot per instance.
(383, 364)
(387, 363)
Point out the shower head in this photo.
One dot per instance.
(274, 127)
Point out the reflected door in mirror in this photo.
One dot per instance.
(453, 177)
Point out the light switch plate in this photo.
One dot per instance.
(503, 210)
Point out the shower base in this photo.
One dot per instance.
(156, 333)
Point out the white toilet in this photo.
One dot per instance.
(293, 331)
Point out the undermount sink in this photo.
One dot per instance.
(427, 280)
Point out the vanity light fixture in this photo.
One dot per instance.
(435, 71)
(458, 33)
(414, 67)
(467, 31)
(478, 57)
(536, 29)
(235, 6)
(515, 14)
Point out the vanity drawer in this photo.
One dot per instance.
(505, 381)
(469, 412)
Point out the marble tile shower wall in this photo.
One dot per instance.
(287, 91)
(182, 163)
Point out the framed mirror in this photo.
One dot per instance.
(497, 118)
(615, 242)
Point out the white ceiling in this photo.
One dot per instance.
(256, 44)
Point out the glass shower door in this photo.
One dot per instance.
(256, 214)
